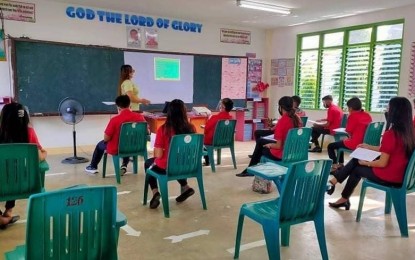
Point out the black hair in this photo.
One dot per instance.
(14, 124)
(297, 100)
(123, 101)
(286, 104)
(354, 103)
(400, 117)
(228, 104)
(328, 97)
(176, 121)
(124, 75)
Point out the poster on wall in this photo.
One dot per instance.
(133, 37)
(2, 46)
(235, 36)
(151, 38)
(254, 76)
(282, 72)
(234, 78)
(18, 11)
(411, 88)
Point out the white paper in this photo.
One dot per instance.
(365, 154)
(269, 137)
(340, 130)
(108, 103)
(315, 122)
(152, 140)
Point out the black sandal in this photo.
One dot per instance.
(155, 201)
(14, 219)
(182, 197)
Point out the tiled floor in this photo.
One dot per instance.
(375, 237)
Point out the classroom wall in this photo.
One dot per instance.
(52, 24)
(284, 44)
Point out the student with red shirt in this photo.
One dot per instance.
(333, 121)
(15, 128)
(288, 120)
(398, 144)
(226, 106)
(357, 123)
(176, 123)
(112, 132)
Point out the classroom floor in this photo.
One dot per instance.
(148, 235)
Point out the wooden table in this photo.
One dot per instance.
(155, 122)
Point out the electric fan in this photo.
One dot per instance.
(72, 112)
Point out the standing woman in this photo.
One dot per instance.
(15, 128)
(127, 87)
(396, 148)
(176, 123)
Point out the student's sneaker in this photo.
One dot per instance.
(123, 170)
(91, 169)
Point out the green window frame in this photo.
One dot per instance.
(362, 61)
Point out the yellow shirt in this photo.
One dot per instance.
(126, 86)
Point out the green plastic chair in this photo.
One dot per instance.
(301, 200)
(304, 120)
(20, 174)
(74, 223)
(395, 196)
(372, 136)
(133, 143)
(183, 162)
(337, 136)
(294, 149)
(222, 138)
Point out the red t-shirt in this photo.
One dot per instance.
(395, 170)
(211, 124)
(282, 127)
(334, 118)
(357, 123)
(114, 128)
(163, 141)
(33, 137)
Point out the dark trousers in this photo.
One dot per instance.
(152, 181)
(332, 148)
(99, 152)
(315, 134)
(261, 150)
(355, 172)
(10, 204)
(262, 132)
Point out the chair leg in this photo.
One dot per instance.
(285, 236)
(238, 235)
(319, 226)
(116, 160)
(219, 156)
(272, 233)
(145, 189)
(104, 165)
(361, 200)
(201, 191)
(135, 164)
(399, 203)
(388, 203)
(164, 190)
(211, 155)
(233, 156)
(322, 140)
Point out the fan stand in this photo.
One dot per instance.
(75, 159)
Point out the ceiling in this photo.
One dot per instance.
(226, 12)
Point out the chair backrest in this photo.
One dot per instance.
(133, 138)
(302, 193)
(304, 120)
(19, 171)
(76, 223)
(344, 121)
(373, 133)
(185, 153)
(224, 133)
(409, 178)
(296, 143)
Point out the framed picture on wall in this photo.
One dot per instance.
(2, 46)
(133, 37)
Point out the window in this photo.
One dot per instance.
(361, 61)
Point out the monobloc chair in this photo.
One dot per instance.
(183, 162)
(337, 136)
(372, 136)
(304, 120)
(132, 143)
(395, 195)
(222, 138)
(295, 149)
(301, 200)
(73, 223)
(20, 173)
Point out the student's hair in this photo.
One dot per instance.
(354, 103)
(124, 75)
(176, 121)
(286, 104)
(228, 104)
(14, 124)
(297, 100)
(122, 101)
(400, 117)
(328, 97)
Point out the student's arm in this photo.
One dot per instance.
(276, 145)
(135, 99)
(42, 154)
(158, 152)
(107, 138)
(370, 147)
(386, 148)
(381, 162)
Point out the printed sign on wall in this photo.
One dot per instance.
(282, 72)
(235, 36)
(18, 11)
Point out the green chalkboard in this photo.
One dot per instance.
(46, 73)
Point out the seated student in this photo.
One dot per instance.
(112, 132)
(296, 104)
(397, 146)
(226, 106)
(357, 123)
(288, 120)
(15, 128)
(176, 123)
(333, 121)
